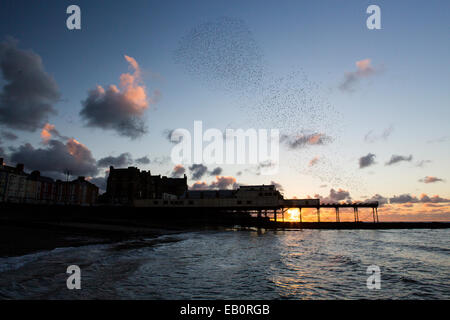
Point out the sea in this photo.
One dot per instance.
(240, 263)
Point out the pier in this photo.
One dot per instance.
(315, 204)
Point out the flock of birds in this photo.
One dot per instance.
(223, 55)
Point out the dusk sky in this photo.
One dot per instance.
(365, 113)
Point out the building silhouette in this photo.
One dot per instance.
(125, 185)
(17, 186)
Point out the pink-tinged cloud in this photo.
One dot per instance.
(133, 63)
(178, 171)
(313, 161)
(49, 131)
(46, 132)
(78, 150)
(199, 185)
(56, 158)
(120, 108)
(305, 139)
(363, 69)
(429, 179)
(224, 183)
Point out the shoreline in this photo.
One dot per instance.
(19, 238)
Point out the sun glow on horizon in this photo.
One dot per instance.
(292, 215)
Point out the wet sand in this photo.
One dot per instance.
(23, 238)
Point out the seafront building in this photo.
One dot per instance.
(132, 187)
(17, 186)
(126, 185)
(13, 183)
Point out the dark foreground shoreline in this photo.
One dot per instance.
(30, 228)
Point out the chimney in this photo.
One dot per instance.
(19, 167)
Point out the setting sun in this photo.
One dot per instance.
(292, 215)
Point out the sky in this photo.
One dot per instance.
(362, 114)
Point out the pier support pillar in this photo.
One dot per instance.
(338, 219)
(259, 214)
(318, 214)
(300, 209)
(376, 212)
(275, 215)
(373, 214)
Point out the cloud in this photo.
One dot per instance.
(198, 171)
(303, 140)
(313, 161)
(167, 134)
(429, 179)
(199, 186)
(216, 171)
(119, 109)
(123, 160)
(377, 197)
(434, 199)
(48, 131)
(9, 135)
(27, 99)
(224, 183)
(367, 160)
(407, 198)
(160, 160)
(403, 198)
(422, 163)
(370, 137)
(221, 183)
(397, 158)
(335, 196)
(363, 70)
(57, 157)
(100, 182)
(178, 171)
(143, 160)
